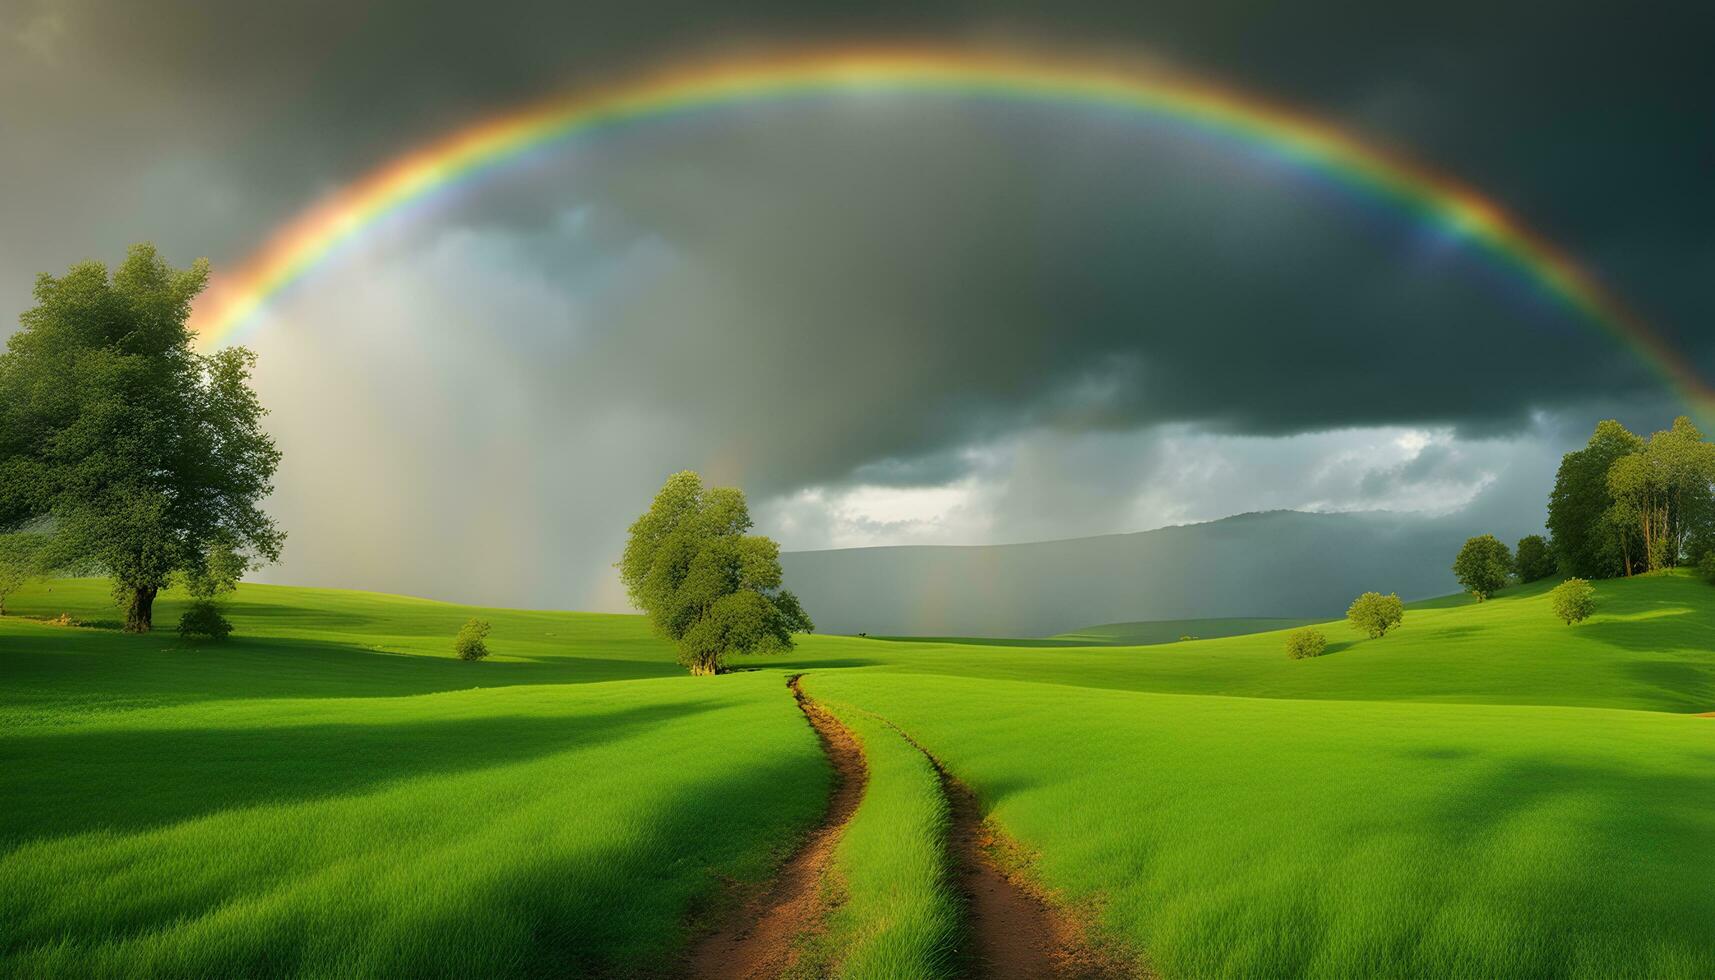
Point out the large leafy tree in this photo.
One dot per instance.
(1666, 490)
(706, 583)
(1589, 541)
(137, 453)
(1482, 566)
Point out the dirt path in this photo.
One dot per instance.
(1013, 933)
(760, 942)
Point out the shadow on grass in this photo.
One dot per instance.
(45, 664)
(801, 663)
(556, 907)
(1635, 830)
(162, 776)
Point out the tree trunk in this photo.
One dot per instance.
(140, 611)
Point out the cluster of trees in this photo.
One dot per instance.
(705, 583)
(1485, 565)
(1625, 504)
(124, 451)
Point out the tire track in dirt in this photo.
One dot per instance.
(762, 940)
(1012, 931)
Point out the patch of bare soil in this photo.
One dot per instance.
(761, 941)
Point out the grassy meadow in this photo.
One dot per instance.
(1486, 791)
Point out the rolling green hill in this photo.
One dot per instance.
(1169, 630)
(1485, 792)
(1274, 564)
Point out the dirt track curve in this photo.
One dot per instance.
(762, 943)
(1011, 931)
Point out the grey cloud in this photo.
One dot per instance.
(1067, 310)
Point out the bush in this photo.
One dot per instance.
(1482, 566)
(470, 643)
(1574, 600)
(1374, 614)
(1306, 642)
(203, 619)
(1706, 567)
(1533, 559)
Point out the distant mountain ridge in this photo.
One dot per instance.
(1279, 564)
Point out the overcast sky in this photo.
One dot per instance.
(890, 319)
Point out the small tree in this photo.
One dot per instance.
(1482, 566)
(706, 584)
(471, 643)
(20, 561)
(1534, 559)
(1573, 600)
(1373, 614)
(1306, 642)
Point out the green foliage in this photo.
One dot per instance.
(1585, 538)
(139, 451)
(203, 619)
(1482, 566)
(20, 561)
(1624, 504)
(1667, 490)
(1373, 614)
(1573, 600)
(1534, 558)
(704, 583)
(1305, 642)
(1706, 567)
(219, 571)
(472, 641)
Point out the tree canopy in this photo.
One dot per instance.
(1373, 614)
(20, 561)
(1580, 506)
(703, 581)
(1482, 566)
(137, 453)
(1533, 559)
(1624, 504)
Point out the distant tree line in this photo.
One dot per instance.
(1622, 505)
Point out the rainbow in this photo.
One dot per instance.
(234, 303)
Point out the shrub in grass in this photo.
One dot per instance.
(204, 621)
(1373, 614)
(470, 644)
(1574, 600)
(1306, 642)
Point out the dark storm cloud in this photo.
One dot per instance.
(205, 124)
(871, 292)
(967, 275)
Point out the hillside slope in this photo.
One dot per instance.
(1281, 564)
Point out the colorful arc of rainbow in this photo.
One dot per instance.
(307, 241)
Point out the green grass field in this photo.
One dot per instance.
(1485, 792)
(1146, 632)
